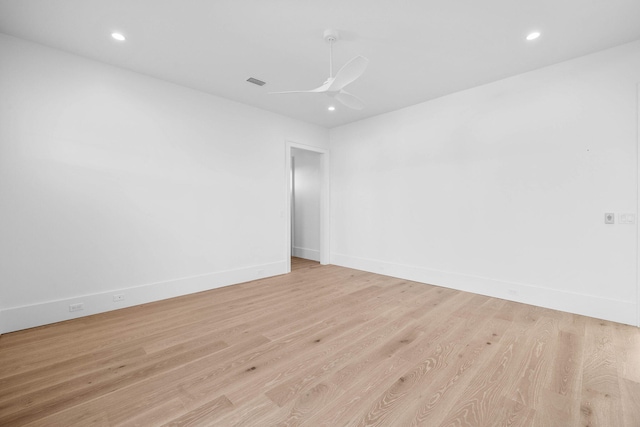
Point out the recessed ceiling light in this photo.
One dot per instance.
(331, 108)
(118, 37)
(533, 36)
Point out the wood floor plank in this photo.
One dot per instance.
(248, 376)
(527, 388)
(68, 393)
(564, 379)
(562, 392)
(157, 391)
(630, 402)
(295, 412)
(359, 392)
(324, 346)
(287, 390)
(513, 414)
(445, 359)
(601, 397)
(480, 402)
(627, 349)
(95, 419)
(306, 359)
(402, 333)
(252, 413)
(154, 416)
(203, 415)
(475, 346)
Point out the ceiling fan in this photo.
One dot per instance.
(334, 86)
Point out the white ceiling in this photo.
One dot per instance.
(418, 49)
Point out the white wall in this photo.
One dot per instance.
(501, 189)
(114, 182)
(306, 206)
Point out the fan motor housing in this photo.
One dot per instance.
(330, 35)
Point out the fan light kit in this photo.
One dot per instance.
(533, 36)
(334, 86)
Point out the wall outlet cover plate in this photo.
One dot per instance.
(627, 218)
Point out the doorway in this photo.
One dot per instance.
(307, 185)
(638, 208)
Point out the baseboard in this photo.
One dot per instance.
(305, 253)
(586, 305)
(17, 318)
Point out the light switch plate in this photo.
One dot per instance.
(627, 218)
(609, 218)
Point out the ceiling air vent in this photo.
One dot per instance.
(255, 81)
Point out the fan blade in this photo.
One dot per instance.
(320, 89)
(350, 100)
(348, 73)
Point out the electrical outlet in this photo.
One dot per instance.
(119, 297)
(76, 307)
(609, 218)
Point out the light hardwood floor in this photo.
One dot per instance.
(324, 346)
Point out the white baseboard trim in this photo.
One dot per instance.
(586, 305)
(17, 318)
(305, 253)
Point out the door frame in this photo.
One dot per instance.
(325, 230)
(638, 205)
